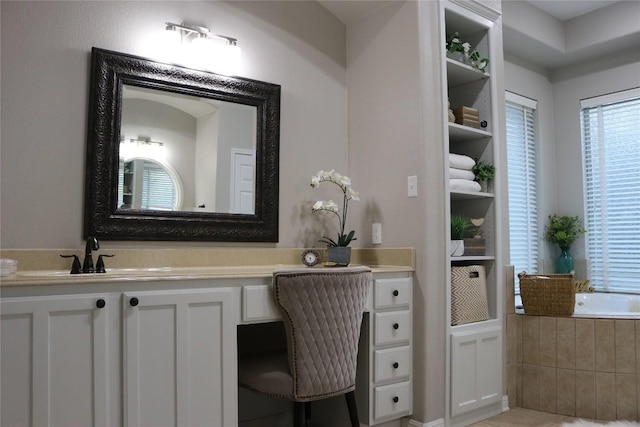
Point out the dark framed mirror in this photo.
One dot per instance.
(179, 154)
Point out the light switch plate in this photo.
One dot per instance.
(412, 186)
(376, 233)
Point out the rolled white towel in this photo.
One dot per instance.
(461, 174)
(463, 185)
(460, 161)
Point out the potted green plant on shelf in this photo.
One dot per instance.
(338, 250)
(461, 51)
(460, 226)
(484, 172)
(563, 230)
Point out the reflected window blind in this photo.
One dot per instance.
(611, 154)
(521, 163)
(158, 191)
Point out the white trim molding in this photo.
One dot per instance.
(413, 423)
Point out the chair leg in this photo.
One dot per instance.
(307, 413)
(353, 409)
(299, 419)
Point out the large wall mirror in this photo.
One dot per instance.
(180, 154)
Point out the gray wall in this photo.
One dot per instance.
(45, 80)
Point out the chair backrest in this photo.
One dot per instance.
(322, 311)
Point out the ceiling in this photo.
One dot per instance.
(533, 51)
(349, 11)
(567, 9)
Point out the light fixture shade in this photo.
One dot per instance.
(228, 60)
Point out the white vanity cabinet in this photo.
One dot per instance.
(178, 357)
(143, 352)
(384, 381)
(54, 361)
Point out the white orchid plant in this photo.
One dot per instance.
(455, 44)
(344, 182)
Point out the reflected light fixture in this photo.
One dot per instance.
(198, 47)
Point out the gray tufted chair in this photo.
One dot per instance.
(322, 312)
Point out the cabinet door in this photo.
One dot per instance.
(475, 370)
(53, 365)
(179, 358)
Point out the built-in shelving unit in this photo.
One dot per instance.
(474, 350)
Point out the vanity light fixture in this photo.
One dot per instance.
(197, 47)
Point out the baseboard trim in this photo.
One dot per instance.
(505, 403)
(413, 423)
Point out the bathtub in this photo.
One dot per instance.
(602, 305)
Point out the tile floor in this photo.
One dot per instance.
(528, 418)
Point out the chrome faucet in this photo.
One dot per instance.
(92, 245)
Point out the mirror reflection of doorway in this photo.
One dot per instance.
(147, 184)
(242, 181)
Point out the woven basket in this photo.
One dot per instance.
(468, 295)
(547, 295)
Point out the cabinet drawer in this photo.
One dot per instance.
(392, 292)
(258, 304)
(393, 399)
(392, 327)
(391, 363)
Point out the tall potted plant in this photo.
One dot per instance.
(563, 230)
(460, 225)
(338, 250)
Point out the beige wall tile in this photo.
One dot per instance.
(626, 397)
(548, 346)
(548, 390)
(566, 391)
(637, 346)
(625, 346)
(512, 384)
(586, 394)
(605, 395)
(605, 345)
(566, 342)
(530, 340)
(519, 385)
(509, 285)
(530, 386)
(585, 345)
(512, 338)
(519, 342)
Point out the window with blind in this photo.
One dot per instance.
(611, 154)
(158, 189)
(521, 164)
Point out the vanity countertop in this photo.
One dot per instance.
(59, 277)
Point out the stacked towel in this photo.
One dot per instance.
(461, 178)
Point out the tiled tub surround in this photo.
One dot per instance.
(587, 368)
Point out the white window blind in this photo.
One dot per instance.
(611, 155)
(158, 189)
(521, 163)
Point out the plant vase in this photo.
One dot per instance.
(484, 186)
(341, 255)
(457, 247)
(564, 265)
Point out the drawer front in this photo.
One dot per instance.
(258, 304)
(392, 292)
(392, 400)
(392, 327)
(392, 363)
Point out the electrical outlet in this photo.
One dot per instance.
(376, 233)
(412, 186)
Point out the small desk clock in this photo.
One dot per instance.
(310, 257)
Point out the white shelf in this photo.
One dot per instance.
(459, 73)
(459, 133)
(469, 195)
(473, 258)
